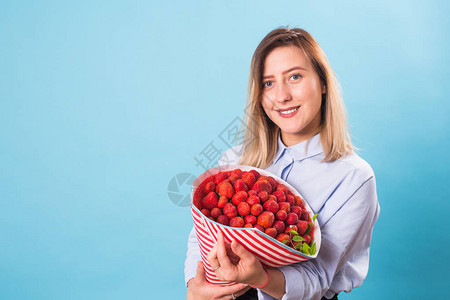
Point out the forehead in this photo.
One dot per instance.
(284, 58)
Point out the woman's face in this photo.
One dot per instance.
(292, 94)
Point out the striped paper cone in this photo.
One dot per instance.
(270, 252)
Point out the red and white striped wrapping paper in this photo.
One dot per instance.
(271, 252)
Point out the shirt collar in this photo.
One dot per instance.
(299, 152)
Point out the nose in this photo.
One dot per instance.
(282, 93)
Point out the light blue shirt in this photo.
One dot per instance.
(343, 193)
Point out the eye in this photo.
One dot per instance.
(268, 84)
(296, 77)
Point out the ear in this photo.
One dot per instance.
(324, 89)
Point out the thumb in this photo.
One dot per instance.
(200, 271)
(240, 250)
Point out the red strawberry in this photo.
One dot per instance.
(222, 219)
(297, 210)
(248, 225)
(272, 197)
(283, 238)
(206, 212)
(259, 227)
(215, 212)
(253, 200)
(239, 185)
(304, 215)
(263, 196)
(262, 185)
(281, 215)
(271, 205)
(237, 222)
(255, 173)
(302, 226)
(250, 219)
(222, 201)
(256, 209)
(226, 189)
(239, 197)
(285, 206)
(220, 177)
(292, 219)
(248, 178)
(299, 202)
(266, 219)
(252, 193)
(271, 232)
(238, 172)
(210, 187)
(230, 210)
(243, 208)
(291, 228)
(220, 183)
(279, 226)
(281, 197)
(282, 187)
(307, 238)
(210, 201)
(290, 199)
(233, 178)
(271, 181)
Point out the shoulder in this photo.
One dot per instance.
(356, 166)
(231, 156)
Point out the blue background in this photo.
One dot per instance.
(103, 103)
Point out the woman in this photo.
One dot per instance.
(296, 129)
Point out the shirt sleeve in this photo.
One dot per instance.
(192, 257)
(346, 233)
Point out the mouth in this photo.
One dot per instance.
(288, 111)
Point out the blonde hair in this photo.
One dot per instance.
(261, 134)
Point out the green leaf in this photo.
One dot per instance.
(313, 249)
(309, 228)
(314, 217)
(298, 246)
(285, 241)
(298, 238)
(293, 232)
(305, 248)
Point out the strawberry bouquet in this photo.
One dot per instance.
(259, 210)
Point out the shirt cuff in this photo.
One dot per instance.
(294, 287)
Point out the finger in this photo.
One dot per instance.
(222, 256)
(240, 250)
(232, 289)
(200, 271)
(212, 258)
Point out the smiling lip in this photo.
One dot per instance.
(289, 112)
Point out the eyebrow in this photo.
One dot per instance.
(287, 71)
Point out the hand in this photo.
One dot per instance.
(200, 289)
(235, 263)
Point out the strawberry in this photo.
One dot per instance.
(253, 200)
(262, 185)
(271, 181)
(250, 219)
(220, 177)
(283, 238)
(282, 187)
(290, 229)
(302, 226)
(248, 225)
(285, 206)
(307, 238)
(266, 219)
(216, 212)
(209, 187)
(279, 226)
(271, 232)
(263, 196)
(206, 212)
(226, 189)
(230, 210)
(239, 197)
(281, 197)
(222, 201)
(272, 197)
(304, 215)
(297, 210)
(259, 227)
(248, 178)
(243, 208)
(237, 222)
(233, 178)
(210, 201)
(299, 202)
(255, 173)
(281, 215)
(271, 205)
(256, 209)
(237, 172)
(292, 219)
(222, 219)
(239, 185)
(290, 200)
